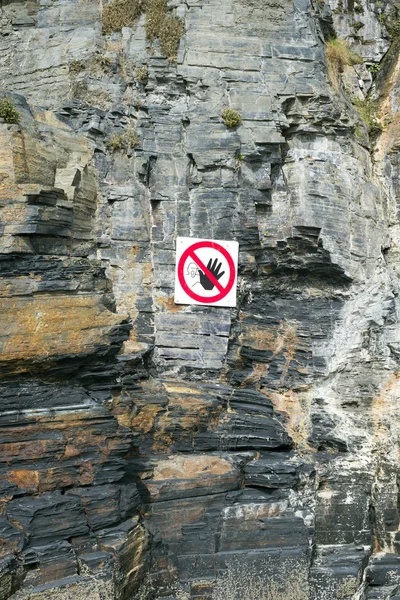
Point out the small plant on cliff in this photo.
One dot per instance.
(231, 118)
(392, 23)
(339, 9)
(121, 13)
(142, 74)
(161, 24)
(8, 112)
(123, 142)
(368, 111)
(338, 56)
(374, 68)
(76, 67)
(358, 8)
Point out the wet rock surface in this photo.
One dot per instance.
(150, 450)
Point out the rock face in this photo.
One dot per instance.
(150, 450)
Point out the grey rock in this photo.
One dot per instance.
(148, 449)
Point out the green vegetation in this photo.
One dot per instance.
(142, 74)
(359, 133)
(338, 56)
(392, 24)
(121, 13)
(8, 112)
(160, 22)
(231, 118)
(382, 18)
(358, 25)
(368, 111)
(340, 8)
(163, 25)
(374, 68)
(389, 19)
(85, 85)
(238, 162)
(124, 141)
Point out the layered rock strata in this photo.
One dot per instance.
(150, 450)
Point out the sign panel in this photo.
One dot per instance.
(206, 272)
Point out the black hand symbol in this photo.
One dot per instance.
(214, 270)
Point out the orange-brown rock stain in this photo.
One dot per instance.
(385, 414)
(168, 304)
(280, 340)
(25, 479)
(190, 467)
(145, 420)
(260, 371)
(296, 406)
(86, 473)
(181, 408)
(388, 117)
(185, 473)
(33, 328)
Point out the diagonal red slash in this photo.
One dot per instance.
(206, 271)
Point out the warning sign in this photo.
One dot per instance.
(206, 272)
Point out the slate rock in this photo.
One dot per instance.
(48, 517)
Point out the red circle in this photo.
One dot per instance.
(185, 286)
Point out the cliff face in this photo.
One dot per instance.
(150, 450)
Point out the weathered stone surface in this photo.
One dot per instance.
(52, 561)
(273, 472)
(184, 477)
(48, 517)
(192, 451)
(129, 544)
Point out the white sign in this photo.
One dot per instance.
(206, 272)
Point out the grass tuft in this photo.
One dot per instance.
(163, 25)
(123, 142)
(142, 74)
(121, 13)
(231, 118)
(8, 112)
(160, 22)
(339, 55)
(368, 111)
